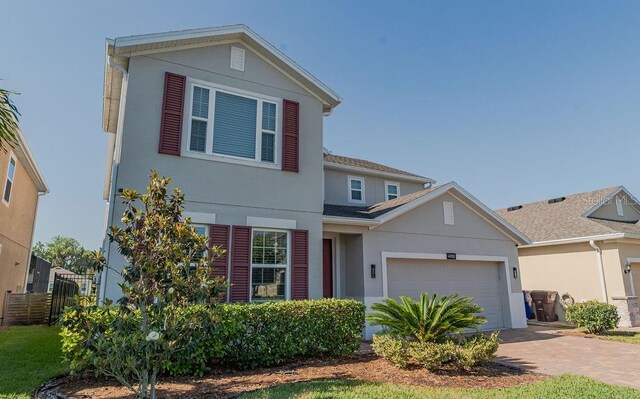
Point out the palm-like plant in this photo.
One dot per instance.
(8, 119)
(431, 319)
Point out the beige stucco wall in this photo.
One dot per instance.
(573, 269)
(16, 227)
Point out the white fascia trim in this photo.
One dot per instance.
(349, 221)
(610, 197)
(219, 31)
(287, 224)
(373, 172)
(499, 222)
(200, 217)
(29, 159)
(575, 240)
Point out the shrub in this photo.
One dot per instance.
(198, 336)
(431, 319)
(431, 355)
(593, 316)
(463, 354)
(391, 349)
(476, 350)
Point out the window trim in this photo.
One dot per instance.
(287, 282)
(387, 184)
(206, 234)
(12, 157)
(209, 154)
(349, 189)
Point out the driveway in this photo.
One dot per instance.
(545, 351)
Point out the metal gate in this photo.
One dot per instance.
(69, 289)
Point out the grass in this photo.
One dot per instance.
(629, 337)
(30, 356)
(562, 387)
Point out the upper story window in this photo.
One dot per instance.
(392, 190)
(356, 189)
(202, 230)
(233, 125)
(269, 264)
(8, 186)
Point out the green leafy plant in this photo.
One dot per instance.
(8, 119)
(67, 253)
(593, 316)
(199, 336)
(163, 271)
(431, 319)
(463, 353)
(392, 349)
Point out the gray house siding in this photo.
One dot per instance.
(231, 191)
(337, 188)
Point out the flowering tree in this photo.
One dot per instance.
(168, 265)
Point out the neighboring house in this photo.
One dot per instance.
(83, 283)
(22, 184)
(239, 127)
(585, 245)
(38, 277)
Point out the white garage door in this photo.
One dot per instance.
(480, 280)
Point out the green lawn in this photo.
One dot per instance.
(563, 387)
(629, 337)
(29, 357)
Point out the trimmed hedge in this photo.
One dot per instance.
(593, 316)
(236, 335)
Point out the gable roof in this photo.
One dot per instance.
(383, 212)
(364, 166)
(119, 50)
(567, 220)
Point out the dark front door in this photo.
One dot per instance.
(327, 269)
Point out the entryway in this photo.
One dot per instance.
(327, 268)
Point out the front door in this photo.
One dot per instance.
(327, 268)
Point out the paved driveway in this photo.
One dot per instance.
(544, 351)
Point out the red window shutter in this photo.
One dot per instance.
(290, 135)
(300, 264)
(219, 236)
(172, 109)
(240, 263)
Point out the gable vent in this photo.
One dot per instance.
(514, 208)
(237, 59)
(556, 200)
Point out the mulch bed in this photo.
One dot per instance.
(230, 384)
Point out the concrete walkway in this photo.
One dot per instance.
(545, 351)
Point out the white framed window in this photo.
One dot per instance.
(8, 185)
(392, 190)
(203, 230)
(448, 213)
(232, 125)
(619, 207)
(269, 265)
(356, 189)
(50, 287)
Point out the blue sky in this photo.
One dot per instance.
(516, 101)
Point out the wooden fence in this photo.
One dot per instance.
(23, 309)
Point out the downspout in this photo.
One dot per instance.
(603, 286)
(114, 170)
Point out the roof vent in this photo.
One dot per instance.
(514, 208)
(556, 200)
(237, 58)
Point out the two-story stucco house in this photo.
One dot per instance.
(22, 185)
(239, 127)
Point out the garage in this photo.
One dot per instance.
(476, 279)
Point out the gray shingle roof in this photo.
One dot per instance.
(361, 163)
(542, 221)
(373, 211)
